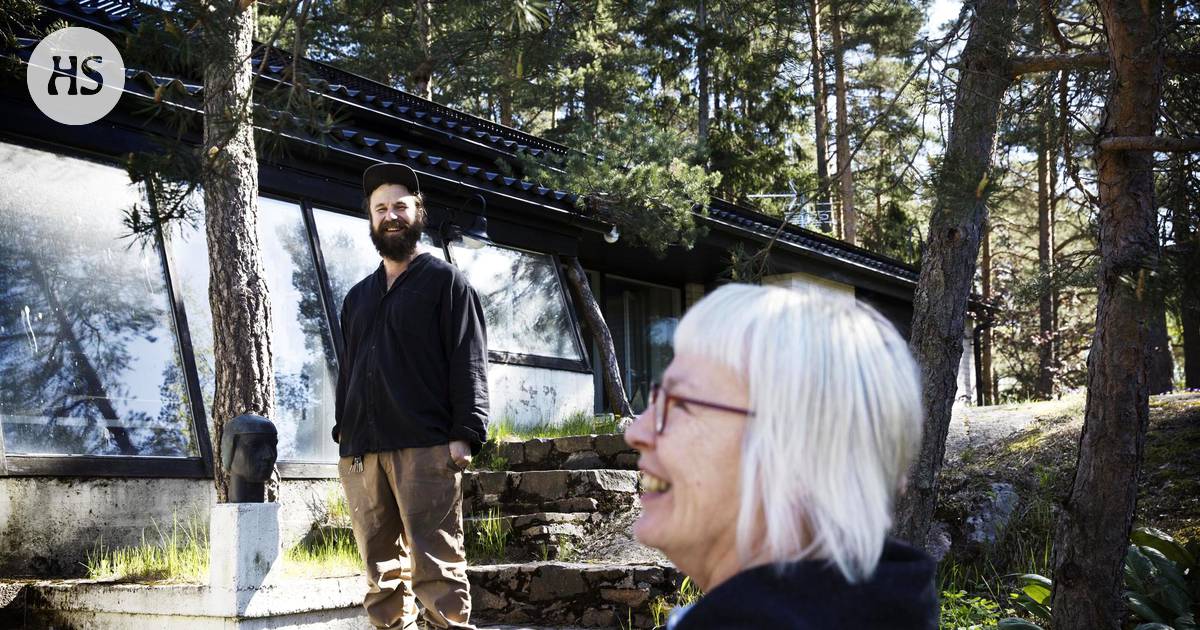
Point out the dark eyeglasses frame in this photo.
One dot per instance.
(661, 407)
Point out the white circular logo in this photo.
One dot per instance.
(76, 76)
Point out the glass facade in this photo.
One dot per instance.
(89, 359)
(642, 319)
(348, 252)
(522, 299)
(305, 364)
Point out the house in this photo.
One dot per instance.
(106, 374)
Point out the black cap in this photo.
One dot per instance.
(377, 175)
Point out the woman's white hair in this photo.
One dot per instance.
(837, 419)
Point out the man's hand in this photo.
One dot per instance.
(460, 452)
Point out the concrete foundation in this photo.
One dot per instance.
(49, 524)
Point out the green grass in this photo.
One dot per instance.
(178, 553)
(487, 538)
(574, 423)
(660, 608)
(327, 552)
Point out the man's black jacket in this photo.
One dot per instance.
(414, 369)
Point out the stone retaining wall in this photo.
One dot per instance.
(554, 593)
(576, 452)
(549, 491)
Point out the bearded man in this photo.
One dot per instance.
(412, 406)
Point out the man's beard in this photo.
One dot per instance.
(397, 245)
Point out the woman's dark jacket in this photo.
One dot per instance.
(813, 595)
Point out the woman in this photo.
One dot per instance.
(770, 456)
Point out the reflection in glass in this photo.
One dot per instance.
(348, 252)
(89, 361)
(305, 366)
(642, 320)
(522, 300)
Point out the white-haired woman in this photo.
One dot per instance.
(770, 457)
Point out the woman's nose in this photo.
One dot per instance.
(640, 435)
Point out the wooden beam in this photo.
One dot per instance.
(1163, 144)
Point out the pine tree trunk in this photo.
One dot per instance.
(845, 174)
(702, 75)
(1183, 226)
(613, 388)
(422, 75)
(237, 290)
(985, 338)
(1162, 364)
(948, 265)
(1093, 528)
(1044, 386)
(820, 116)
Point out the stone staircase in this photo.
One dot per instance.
(564, 507)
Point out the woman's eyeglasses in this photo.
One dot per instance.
(661, 399)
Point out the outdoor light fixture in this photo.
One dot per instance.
(475, 235)
(612, 235)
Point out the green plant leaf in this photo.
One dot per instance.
(1012, 623)
(1139, 570)
(1037, 587)
(1165, 544)
(1166, 587)
(1144, 609)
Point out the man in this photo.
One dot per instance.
(411, 411)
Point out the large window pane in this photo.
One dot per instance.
(522, 300)
(642, 319)
(305, 367)
(89, 360)
(348, 252)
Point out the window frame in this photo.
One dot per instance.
(626, 381)
(582, 364)
(59, 465)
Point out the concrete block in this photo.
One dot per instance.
(244, 545)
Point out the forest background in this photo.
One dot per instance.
(848, 111)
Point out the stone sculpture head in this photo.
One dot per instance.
(248, 451)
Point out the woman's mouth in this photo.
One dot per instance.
(654, 485)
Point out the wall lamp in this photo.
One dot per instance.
(475, 235)
(612, 235)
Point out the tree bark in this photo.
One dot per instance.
(1151, 143)
(702, 75)
(1044, 386)
(613, 388)
(1094, 524)
(1098, 60)
(820, 116)
(1162, 364)
(985, 337)
(1183, 226)
(845, 173)
(422, 75)
(237, 290)
(948, 264)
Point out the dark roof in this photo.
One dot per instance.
(457, 130)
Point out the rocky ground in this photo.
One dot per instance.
(1009, 466)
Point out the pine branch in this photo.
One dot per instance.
(1181, 63)
(1164, 144)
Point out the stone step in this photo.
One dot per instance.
(576, 452)
(545, 535)
(535, 491)
(572, 594)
